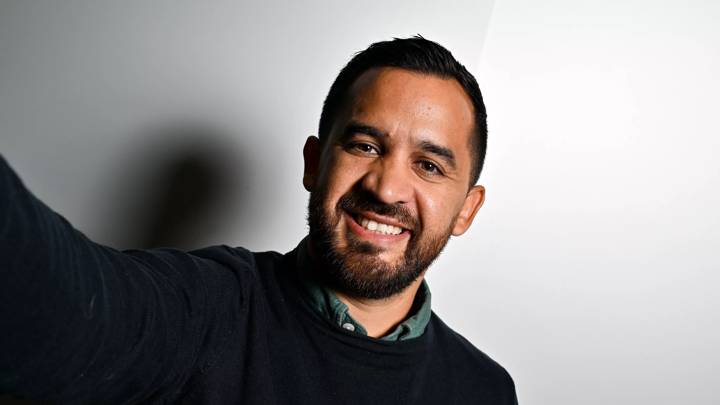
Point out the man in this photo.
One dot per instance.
(344, 318)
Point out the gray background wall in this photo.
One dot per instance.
(591, 271)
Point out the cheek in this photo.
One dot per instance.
(432, 207)
(343, 172)
(438, 209)
(339, 177)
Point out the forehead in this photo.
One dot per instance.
(412, 105)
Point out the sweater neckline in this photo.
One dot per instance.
(325, 301)
(372, 349)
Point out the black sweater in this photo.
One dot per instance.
(83, 323)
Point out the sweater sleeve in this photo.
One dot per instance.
(84, 323)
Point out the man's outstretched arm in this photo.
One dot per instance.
(81, 322)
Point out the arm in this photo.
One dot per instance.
(81, 322)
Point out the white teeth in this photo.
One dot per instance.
(379, 227)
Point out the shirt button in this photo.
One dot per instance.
(349, 326)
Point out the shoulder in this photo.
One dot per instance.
(251, 269)
(460, 349)
(237, 258)
(472, 367)
(208, 274)
(220, 256)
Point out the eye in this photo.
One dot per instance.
(363, 148)
(429, 167)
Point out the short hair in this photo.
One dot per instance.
(416, 54)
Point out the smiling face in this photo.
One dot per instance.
(390, 183)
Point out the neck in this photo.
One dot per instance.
(379, 317)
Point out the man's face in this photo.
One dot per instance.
(390, 184)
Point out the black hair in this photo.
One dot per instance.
(416, 54)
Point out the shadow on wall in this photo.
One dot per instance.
(175, 189)
(181, 188)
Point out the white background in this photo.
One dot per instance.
(591, 271)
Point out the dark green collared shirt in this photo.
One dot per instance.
(326, 302)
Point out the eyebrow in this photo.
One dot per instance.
(354, 127)
(440, 151)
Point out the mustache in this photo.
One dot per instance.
(361, 200)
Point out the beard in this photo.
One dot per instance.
(356, 268)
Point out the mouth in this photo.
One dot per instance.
(374, 224)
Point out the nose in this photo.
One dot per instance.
(389, 180)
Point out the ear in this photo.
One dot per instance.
(311, 154)
(473, 201)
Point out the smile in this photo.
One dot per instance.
(378, 227)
